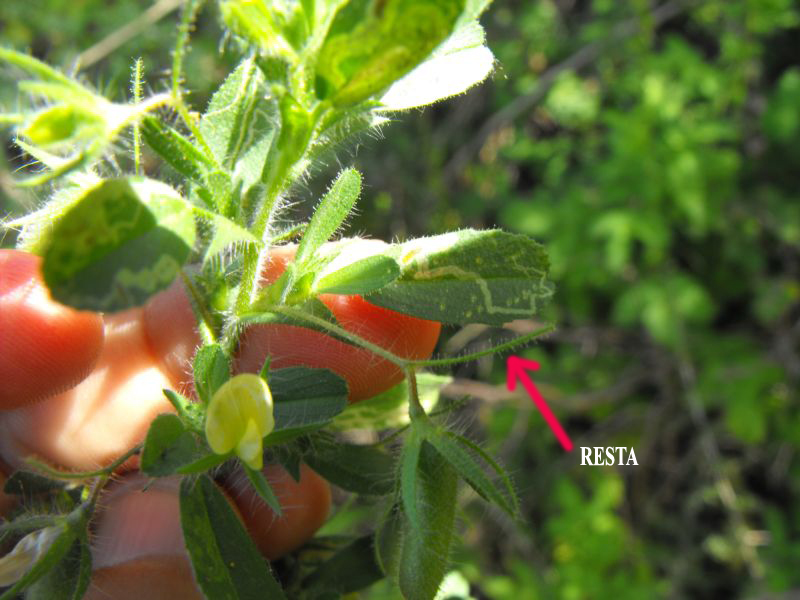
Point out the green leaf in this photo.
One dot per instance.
(41, 70)
(36, 228)
(452, 448)
(312, 306)
(263, 489)
(372, 44)
(62, 123)
(212, 368)
(274, 28)
(69, 579)
(178, 152)
(389, 409)
(226, 562)
(329, 214)
(51, 161)
(360, 277)
(360, 469)
(474, 9)
(409, 463)
(351, 569)
(121, 242)
(227, 124)
(203, 464)
(168, 447)
(304, 399)
(190, 412)
(259, 148)
(426, 543)
(458, 64)
(469, 276)
(226, 234)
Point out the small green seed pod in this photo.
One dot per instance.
(239, 416)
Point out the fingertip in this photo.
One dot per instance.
(138, 549)
(46, 347)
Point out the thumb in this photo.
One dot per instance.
(46, 348)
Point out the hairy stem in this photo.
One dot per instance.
(339, 331)
(56, 474)
(446, 362)
(181, 43)
(138, 68)
(415, 409)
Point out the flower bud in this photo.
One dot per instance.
(28, 551)
(239, 416)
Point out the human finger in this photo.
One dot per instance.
(138, 549)
(106, 414)
(45, 347)
(305, 505)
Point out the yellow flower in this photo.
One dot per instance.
(239, 416)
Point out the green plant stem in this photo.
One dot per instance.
(415, 409)
(138, 68)
(182, 41)
(187, 18)
(446, 362)
(341, 332)
(256, 259)
(56, 474)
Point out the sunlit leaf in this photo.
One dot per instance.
(121, 242)
(457, 65)
(177, 151)
(330, 214)
(469, 276)
(212, 368)
(228, 122)
(360, 277)
(371, 45)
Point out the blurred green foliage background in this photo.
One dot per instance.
(655, 150)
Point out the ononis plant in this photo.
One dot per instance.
(314, 73)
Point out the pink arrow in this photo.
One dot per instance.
(516, 369)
